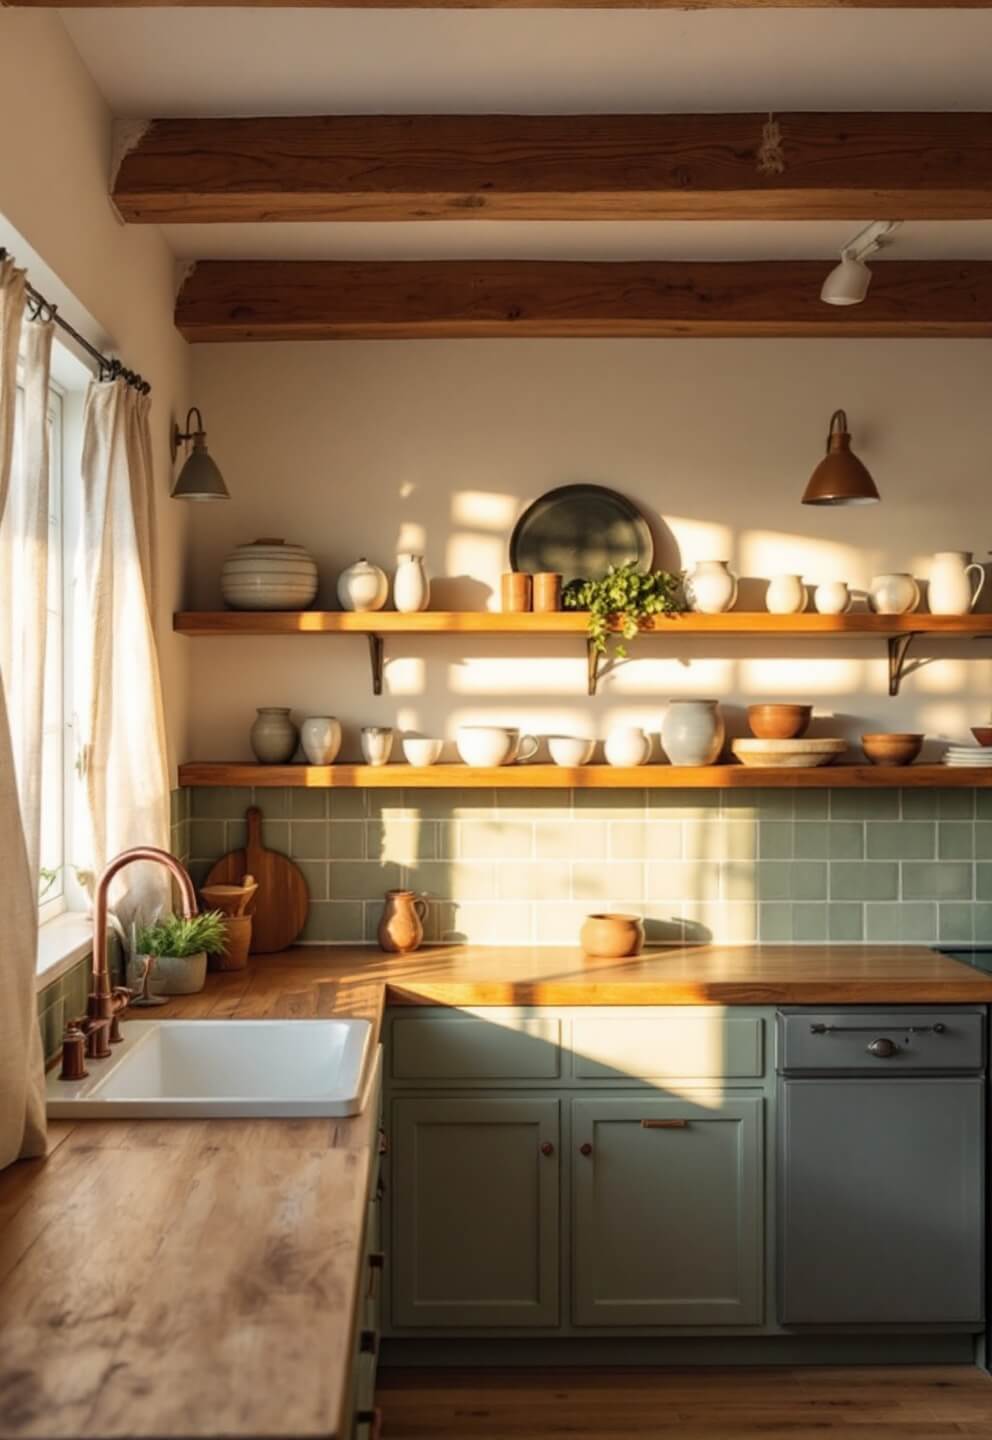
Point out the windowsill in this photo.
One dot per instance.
(62, 943)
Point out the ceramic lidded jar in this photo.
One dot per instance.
(363, 586)
(320, 736)
(692, 732)
(950, 591)
(710, 587)
(273, 736)
(786, 595)
(895, 594)
(269, 575)
(411, 587)
(401, 929)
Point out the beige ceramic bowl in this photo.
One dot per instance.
(612, 937)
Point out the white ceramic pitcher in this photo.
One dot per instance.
(951, 589)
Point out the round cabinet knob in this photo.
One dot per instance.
(547, 1148)
(585, 1149)
(882, 1048)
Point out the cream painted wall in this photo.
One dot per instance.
(370, 448)
(55, 147)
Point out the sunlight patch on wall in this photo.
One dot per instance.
(411, 539)
(706, 678)
(770, 552)
(701, 540)
(405, 675)
(485, 510)
(802, 677)
(521, 675)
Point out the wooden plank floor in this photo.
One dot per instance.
(940, 1402)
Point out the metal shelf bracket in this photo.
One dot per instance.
(898, 650)
(376, 658)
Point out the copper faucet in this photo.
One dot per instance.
(105, 1004)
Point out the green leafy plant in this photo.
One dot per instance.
(179, 937)
(623, 600)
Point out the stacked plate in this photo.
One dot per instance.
(970, 755)
(788, 754)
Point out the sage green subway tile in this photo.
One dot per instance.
(347, 804)
(919, 804)
(983, 804)
(278, 804)
(870, 880)
(983, 882)
(536, 880)
(983, 840)
(316, 874)
(776, 839)
(758, 804)
(983, 924)
(809, 923)
(609, 804)
(363, 879)
(792, 880)
(208, 839)
(845, 923)
(176, 834)
(453, 804)
(335, 922)
(724, 924)
(348, 840)
(724, 839)
(682, 880)
(401, 840)
(663, 925)
(391, 801)
(534, 802)
(199, 870)
(496, 924)
(599, 881)
(956, 923)
(956, 840)
(308, 805)
(845, 839)
(811, 804)
(737, 880)
(906, 924)
(679, 804)
(956, 804)
(76, 986)
(644, 839)
(221, 803)
(901, 840)
(945, 880)
(570, 839)
(447, 837)
(453, 879)
(52, 1024)
(864, 804)
(175, 807)
(236, 835)
(275, 834)
(495, 839)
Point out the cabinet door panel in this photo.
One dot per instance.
(667, 1211)
(475, 1206)
(662, 1045)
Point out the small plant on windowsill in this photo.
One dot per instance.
(624, 600)
(172, 953)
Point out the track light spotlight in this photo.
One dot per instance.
(847, 283)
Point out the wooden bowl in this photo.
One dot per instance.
(982, 733)
(892, 749)
(612, 937)
(779, 722)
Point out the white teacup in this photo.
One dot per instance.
(377, 744)
(832, 598)
(626, 746)
(570, 749)
(487, 745)
(422, 752)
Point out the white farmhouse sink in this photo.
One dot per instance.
(167, 1069)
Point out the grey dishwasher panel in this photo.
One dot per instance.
(881, 1210)
(921, 1040)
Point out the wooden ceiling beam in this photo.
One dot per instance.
(812, 166)
(340, 300)
(509, 4)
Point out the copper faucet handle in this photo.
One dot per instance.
(73, 1053)
(120, 997)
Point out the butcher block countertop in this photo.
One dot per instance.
(198, 1278)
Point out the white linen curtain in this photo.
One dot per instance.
(23, 589)
(125, 757)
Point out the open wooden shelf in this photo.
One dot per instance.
(586, 777)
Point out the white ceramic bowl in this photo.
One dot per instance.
(269, 575)
(570, 749)
(422, 752)
(487, 745)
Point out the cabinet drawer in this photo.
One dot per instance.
(506, 1046)
(661, 1045)
(914, 1040)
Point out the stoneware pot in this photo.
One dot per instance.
(895, 594)
(951, 590)
(892, 749)
(627, 746)
(779, 722)
(484, 746)
(710, 588)
(171, 974)
(786, 595)
(832, 597)
(377, 744)
(269, 575)
(273, 736)
(611, 937)
(692, 732)
(363, 586)
(570, 749)
(401, 929)
(411, 587)
(320, 736)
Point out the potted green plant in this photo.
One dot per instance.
(174, 952)
(622, 601)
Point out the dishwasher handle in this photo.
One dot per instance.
(939, 1028)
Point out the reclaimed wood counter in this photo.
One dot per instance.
(198, 1278)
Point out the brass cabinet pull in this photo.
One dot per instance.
(664, 1124)
(547, 1148)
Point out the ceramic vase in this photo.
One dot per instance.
(273, 736)
(692, 732)
(269, 575)
(627, 746)
(401, 929)
(363, 586)
(951, 591)
(377, 744)
(612, 936)
(832, 598)
(411, 587)
(896, 594)
(710, 588)
(320, 736)
(786, 595)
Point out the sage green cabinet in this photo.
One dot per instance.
(475, 1223)
(667, 1211)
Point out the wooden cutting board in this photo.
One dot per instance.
(282, 901)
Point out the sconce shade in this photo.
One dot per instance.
(847, 283)
(840, 478)
(199, 479)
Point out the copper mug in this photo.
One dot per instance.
(401, 929)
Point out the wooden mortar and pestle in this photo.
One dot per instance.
(232, 901)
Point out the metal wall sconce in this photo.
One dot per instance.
(199, 479)
(840, 478)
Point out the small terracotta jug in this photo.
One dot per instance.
(401, 929)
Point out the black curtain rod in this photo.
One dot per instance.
(109, 369)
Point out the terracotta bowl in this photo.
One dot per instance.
(779, 722)
(612, 937)
(982, 733)
(892, 749)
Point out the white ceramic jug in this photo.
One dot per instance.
(895, 594)
(786, 595)
(951, 591)
(710, 588)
